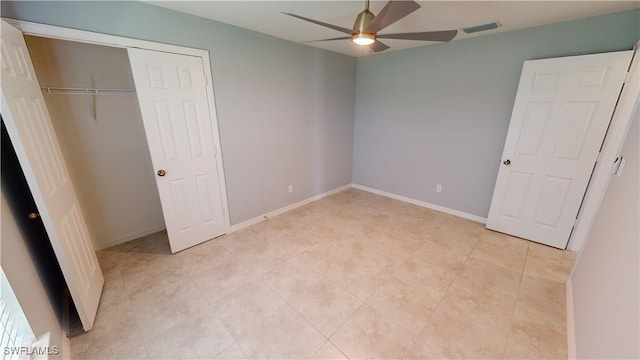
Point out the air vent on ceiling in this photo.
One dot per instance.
(483, 27)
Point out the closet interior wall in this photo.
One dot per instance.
(107, 156)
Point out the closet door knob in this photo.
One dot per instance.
(162, 172)
(507, 162)
(33, 216)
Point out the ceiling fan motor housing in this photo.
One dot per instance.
(362, 21)
(360, 36)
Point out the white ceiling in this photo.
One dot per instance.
(266, 17)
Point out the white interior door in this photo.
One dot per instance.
(29, 126)
(173, 101)
(560, 117)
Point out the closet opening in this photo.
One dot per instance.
(90, 94)
(94, 118)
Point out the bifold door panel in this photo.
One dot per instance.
(29, 126)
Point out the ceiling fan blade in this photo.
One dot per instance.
(445, 35)
(337, 38)
(392, 12)
(378, 46)
(330, 26)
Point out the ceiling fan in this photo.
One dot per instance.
(367, 25)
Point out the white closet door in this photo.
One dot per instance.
(173, 101)
(561, 114)
(29, 126)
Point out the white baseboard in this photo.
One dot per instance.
(236, 227)
(273, 213)
(423, 204)
(282, 210)
(571, 322)
(128, 237)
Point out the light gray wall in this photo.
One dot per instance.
(107, 157)
(18, 266)
(439, 114)
(606, 277)
(285, 110)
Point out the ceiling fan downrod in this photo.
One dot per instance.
(360, 36)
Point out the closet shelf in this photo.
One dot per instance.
(85, 91)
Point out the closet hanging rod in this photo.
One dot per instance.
(85, 91)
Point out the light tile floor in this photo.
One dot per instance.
(354, 275)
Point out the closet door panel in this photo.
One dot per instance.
(29, 126)
(178, 124)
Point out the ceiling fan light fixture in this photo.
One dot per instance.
(363, 39)
(360, 36)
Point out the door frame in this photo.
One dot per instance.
(82, 36)
(627, 106)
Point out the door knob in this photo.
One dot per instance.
(507, 162)
(162, 172)
(33, 216)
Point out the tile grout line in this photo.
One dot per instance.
(437, 308)
(363, 302)
(447, 291)
(137, 321)
(215, 313)
(340, 327)
(336, 346)
(297, 312)
(391, 319)
(515, 303)
(457, 273)
(263, 282)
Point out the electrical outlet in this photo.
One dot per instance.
(439, 188)
(290, 188)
